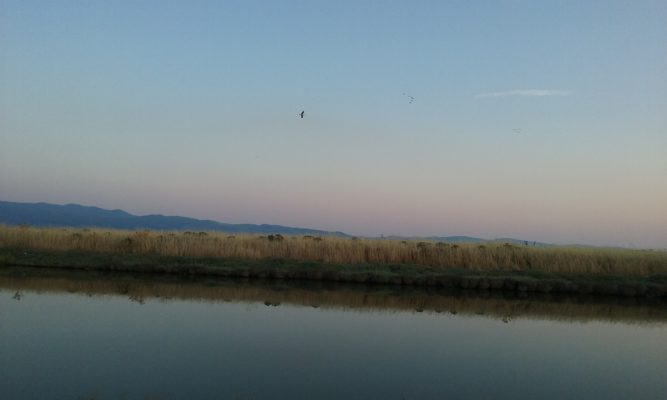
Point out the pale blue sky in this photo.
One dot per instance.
(532, 119)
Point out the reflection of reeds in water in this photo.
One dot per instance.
(350, 297)
(491, 256)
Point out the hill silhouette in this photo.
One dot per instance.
(75, 215)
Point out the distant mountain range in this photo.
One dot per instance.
(470, 239)
(75, 215)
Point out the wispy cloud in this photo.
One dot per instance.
(525, 93)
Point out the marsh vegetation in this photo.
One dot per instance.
(338, 250)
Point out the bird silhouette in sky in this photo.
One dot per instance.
(409, 97)
(517, 131)
(301, 113)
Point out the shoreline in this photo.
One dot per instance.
(499, 305)
(520, 281)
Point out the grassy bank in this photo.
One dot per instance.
(491, 266)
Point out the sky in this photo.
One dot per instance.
(540, 120)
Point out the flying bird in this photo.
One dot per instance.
(301, 113)
(517, 131)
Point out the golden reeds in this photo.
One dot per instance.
(339, 250)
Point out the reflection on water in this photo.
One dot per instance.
(504, 306)
(126, 337)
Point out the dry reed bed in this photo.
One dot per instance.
(359, 300)
(337, 250)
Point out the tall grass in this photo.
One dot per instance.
(337, 250)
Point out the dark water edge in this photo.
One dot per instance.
(501, 305)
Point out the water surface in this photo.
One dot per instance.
(110, 337)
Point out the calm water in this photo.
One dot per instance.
(120, 338)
